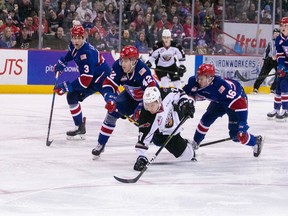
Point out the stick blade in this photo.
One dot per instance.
(242, 78)
(134, 180)
(48, 143)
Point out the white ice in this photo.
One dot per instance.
(64, 180)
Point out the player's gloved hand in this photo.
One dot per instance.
(61, 64)
(243, 135)
(148, 64)
(140, 163)
(137, 112)
(110, 99)
(62, 88)
(187, 107)
(281, 71)
(181, 70)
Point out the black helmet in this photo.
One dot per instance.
(276, 30)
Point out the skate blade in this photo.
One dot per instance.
(77, 137)
(271, 118)
(281, 120)
(94, 157)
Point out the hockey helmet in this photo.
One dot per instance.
(151, 94)
(129, 52)
(78, 30)
(276, 30)
(284, 20)
(206, 70)
(166, 33)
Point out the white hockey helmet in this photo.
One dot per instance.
(166, 33)
(151, 94)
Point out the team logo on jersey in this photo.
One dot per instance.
(167, 57)
(83, 57)
(169, 121)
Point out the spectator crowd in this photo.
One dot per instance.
(142, 22)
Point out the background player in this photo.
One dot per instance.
(269, 62)
(227, 97)
(162, 111)
(165, 54)
(93, 70)
(135, 77)
(281, 94)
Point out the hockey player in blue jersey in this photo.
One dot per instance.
(227, 97)
(281, 94)
(93, 70)
(135, 77)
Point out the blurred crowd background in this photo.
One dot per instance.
(112, 24)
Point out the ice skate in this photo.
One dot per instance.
(272, 115)
(257, 148)
(96, 152)
(282, 117)
(255, 91)
(78, 133)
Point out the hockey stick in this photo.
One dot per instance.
(129, 118)
(48, 142)
(243, 79)
(134, 180)
(216, 141)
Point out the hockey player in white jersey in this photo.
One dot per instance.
(162, 112)
(165, 54)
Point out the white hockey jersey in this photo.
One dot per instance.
(167, 118)
(166, 57)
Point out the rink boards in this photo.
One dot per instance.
(31, 71)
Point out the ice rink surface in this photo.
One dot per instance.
(64, 180)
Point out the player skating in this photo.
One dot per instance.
(93, 70)
(165, 54)
(227, 97)
(281, 94)
(135, 77)
(162, 111)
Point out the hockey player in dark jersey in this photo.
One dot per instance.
(281, 94)
(162, 111)
(227, 97)
(165, 54)
(93, 70)
(135, 77)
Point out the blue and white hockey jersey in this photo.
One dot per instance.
(134, 83)
(89, 62)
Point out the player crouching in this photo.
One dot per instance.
(162, 111)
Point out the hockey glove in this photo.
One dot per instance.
(110, 99)
(62, 88)
(137, 112)
(281, 71)
(61, 64)
(140, 163)
(181, 70)
(243, 135)
(148, 64)
(187, 107)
